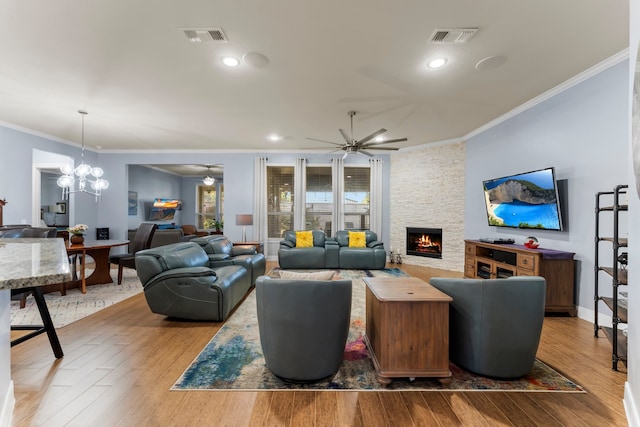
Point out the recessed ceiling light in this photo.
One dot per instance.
(230, 61)
(274, 137)
(437, 63)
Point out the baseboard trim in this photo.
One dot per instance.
(630, 406)
(6, 412)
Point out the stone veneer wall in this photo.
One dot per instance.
(427, 190)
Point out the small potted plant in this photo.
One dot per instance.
(218, 224)
(77, 233)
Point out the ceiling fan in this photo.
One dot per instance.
(360, 146)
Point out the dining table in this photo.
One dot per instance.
(98, 250)
(26, 265)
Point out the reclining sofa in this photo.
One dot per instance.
(222, 252)
(178, 282)
(332, 252)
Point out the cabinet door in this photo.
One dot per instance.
(504, 271)
(484, 269)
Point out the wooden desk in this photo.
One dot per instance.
(99, 251)
(407, 328)
(27, 265)
(258, 245)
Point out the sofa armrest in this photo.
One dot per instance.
(178, 273)
(243, 250)
(218, 257)
(286, 244)
(375, 244)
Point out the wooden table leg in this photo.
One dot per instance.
(82, 272)
(102, 273)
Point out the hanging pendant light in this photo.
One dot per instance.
(208, 180)
(83, 172)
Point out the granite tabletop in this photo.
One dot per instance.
(32, 262)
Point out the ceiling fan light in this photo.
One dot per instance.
(208, 180)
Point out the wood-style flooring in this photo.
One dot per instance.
(120, 363)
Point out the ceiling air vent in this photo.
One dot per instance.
(452, 35)
(197, 35)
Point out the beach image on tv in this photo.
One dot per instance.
(524, 201)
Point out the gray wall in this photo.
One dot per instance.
(151, 184)
(582, 132)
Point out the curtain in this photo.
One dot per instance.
(300, 188)
(337, 171)
(375, 200)
(260, 228)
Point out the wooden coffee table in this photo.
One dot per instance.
(407, 328)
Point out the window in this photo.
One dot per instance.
(357, 187)
(280, 198)
(210, 202)
(319, 199)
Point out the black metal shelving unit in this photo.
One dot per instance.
(616, 271)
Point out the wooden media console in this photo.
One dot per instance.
(495, 261)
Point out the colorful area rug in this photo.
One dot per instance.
(233, 359)
(76, 305)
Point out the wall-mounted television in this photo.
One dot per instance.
(526, 200)
(164, 209)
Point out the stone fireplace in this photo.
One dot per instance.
(426, 242)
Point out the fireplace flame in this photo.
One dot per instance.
(425, 242)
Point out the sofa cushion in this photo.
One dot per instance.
(357, 239)
(304, 239)
(311, 275)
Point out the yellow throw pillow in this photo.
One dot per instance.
(357, 239)
(304, 239)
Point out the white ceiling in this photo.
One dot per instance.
(146, 86)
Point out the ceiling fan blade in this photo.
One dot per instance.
(366, 153)
(382, 148)
(371, 144)
(345, 135)
(373, 135)
(322, 140)
(346, 153)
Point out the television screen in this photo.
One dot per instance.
(164, 209)
(526, 200)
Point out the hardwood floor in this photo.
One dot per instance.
(120, 363)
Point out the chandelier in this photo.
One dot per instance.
(83, 172)
(208, 180)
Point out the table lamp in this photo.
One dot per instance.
(244, 220)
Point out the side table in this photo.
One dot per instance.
(258, 245)
(407, 328)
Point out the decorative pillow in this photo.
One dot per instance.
(357, 239)
(314, 275)
(304, 239)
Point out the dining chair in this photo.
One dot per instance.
(141, 240)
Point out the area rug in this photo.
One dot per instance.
(233, 359)
(76, 305)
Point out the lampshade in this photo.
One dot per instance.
(244, 219)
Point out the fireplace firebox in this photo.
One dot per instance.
(425, 242)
